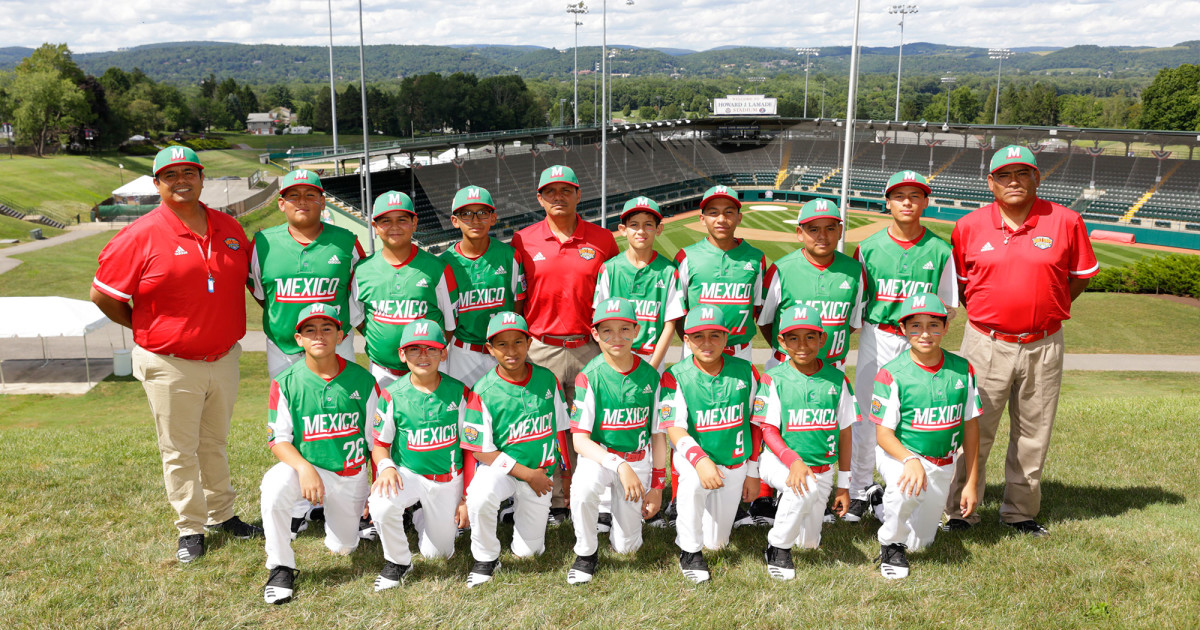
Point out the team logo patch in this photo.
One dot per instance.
(1043, 242)
(232, 243)
(378, 421)
(759, 406)
(573, 409)
(471, 433)
(665, 411)
(876, 407)
(587, 253)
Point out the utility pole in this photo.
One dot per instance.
(576, 10)
(902, 10)
(1001, 54)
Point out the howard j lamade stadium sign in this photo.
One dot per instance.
(745, 105)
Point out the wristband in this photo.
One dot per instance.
(385, 464)
(691, 450)
(504, 463)
(752, 468)
(658, 479)
(910, 458)
(843, 480)
(612, 462)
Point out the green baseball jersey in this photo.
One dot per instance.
(731, 281)
(288, 276)
(325, 420)
(520, 419)
(926, 407)
(715, 410)
(489, 284)
(809, 411)
(617, 409)
(653, 289)
(421, 430)
(835, 290)
(388, 297)
(896, 269)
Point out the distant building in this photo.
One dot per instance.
(260, 124)
(284, 116)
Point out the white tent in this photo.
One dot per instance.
(140, 188)
(50, 316)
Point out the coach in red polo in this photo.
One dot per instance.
(1021, 262)
(177, 277)
(562, 258)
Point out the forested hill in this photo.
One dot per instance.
(188, 62)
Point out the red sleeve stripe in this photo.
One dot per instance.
(581, 380)
(474, 403)
(884, 377)
(668, 380)
(273, 396)
(448, 275)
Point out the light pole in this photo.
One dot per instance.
(807, 52)
(366, 161)
(1001, 54)
(902, 10)
(596, 94)
(949, 82)
(604, 87)
(562, 104)
(122, 168)
(576, 10)
(851, 97)
(332, 91)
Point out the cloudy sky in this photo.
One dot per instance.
(91, 25)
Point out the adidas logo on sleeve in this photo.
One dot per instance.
(749, 267)
(647, 390)
(928, 266)
(355, 396)
(334, 260)
(959, 384)
(845, 284)
(422, 282)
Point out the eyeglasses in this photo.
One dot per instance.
(470, 215)
(420, 350)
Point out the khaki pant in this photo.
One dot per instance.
(192, 404)
(1027, 377)
(566, 364)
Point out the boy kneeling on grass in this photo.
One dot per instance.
(806, 409)
(925, 403)
(318, 430)
(617, 438)
(516, 425)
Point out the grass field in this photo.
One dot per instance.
(87, 540)
(284, 142)
(16, 228)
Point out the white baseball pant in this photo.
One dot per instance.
(435, 531)
(875, 349)
(798, 516)
(913, 520)
(488, 488)
(705, 517)
(588, 484)
(344, 500)
(384, 376)
(467, 365)
(277, 361)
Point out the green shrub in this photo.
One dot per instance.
(1174, 274)
(139, 149)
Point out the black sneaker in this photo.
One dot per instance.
(558, 516)
(583, 569)
(830, 517)
(779, 563)
(298, 525)
(604, 523)
(190, 547)
(507, 509)
(762, 510)
(694, 568)
(856, 511)
(742, 518)
(956, 525)
(236, 528)
(366, 529)
(893, 561)
(280, 585)
(1030, 527)
(391, 576)
(315, 513)
(875, 497)
(481, 573)
(670, 514)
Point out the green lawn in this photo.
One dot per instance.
(86, 536)
(16, 228)
(285, 142)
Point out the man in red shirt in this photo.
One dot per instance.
(1021, 261)
(176, 277)
(562, 257)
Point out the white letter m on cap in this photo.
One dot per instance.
(420, 328)
(508, 318)
(177, 153)
(394, 199)
(1014, 152)
(919, 301)
(472, 193)
(556, 171)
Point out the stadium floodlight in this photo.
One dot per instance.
(903, 10)
(605, 90)
(332, 91)
(365, 169)
(851, 97)
(1000, 54)
(949, 82)
(807, 52)
(577, 9)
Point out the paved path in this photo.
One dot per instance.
(73, 233)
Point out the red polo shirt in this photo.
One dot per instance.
(561, 277)
(160, 265)
(1017, 281)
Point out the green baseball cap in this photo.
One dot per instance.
(316, 310)
(614, 308)
(818, 209)
(423, 332)
(301, 177)
(907, 178)
(558, 173)
(704, 318)
(506, 320)
(174, 155)
(922, 304)
(1012, 154)
(392, 201)
(472, 195)
(801, 317)
(720, 192)
(641, 204)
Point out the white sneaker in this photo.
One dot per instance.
(280, 585)
(582, 571)
(694, 568)
(893, 561)
(391, 576)
(481, 573)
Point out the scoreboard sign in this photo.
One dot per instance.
(745, 105)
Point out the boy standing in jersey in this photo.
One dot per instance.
(704, 405)
(516, 425)
(903, 260)
(396, 285)
(805, 408)
(646, 278)
(722, 271)
(925, 404)
(418, 457)
(298, 263)
(490, 279)
(620, 446)
(318, 430)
